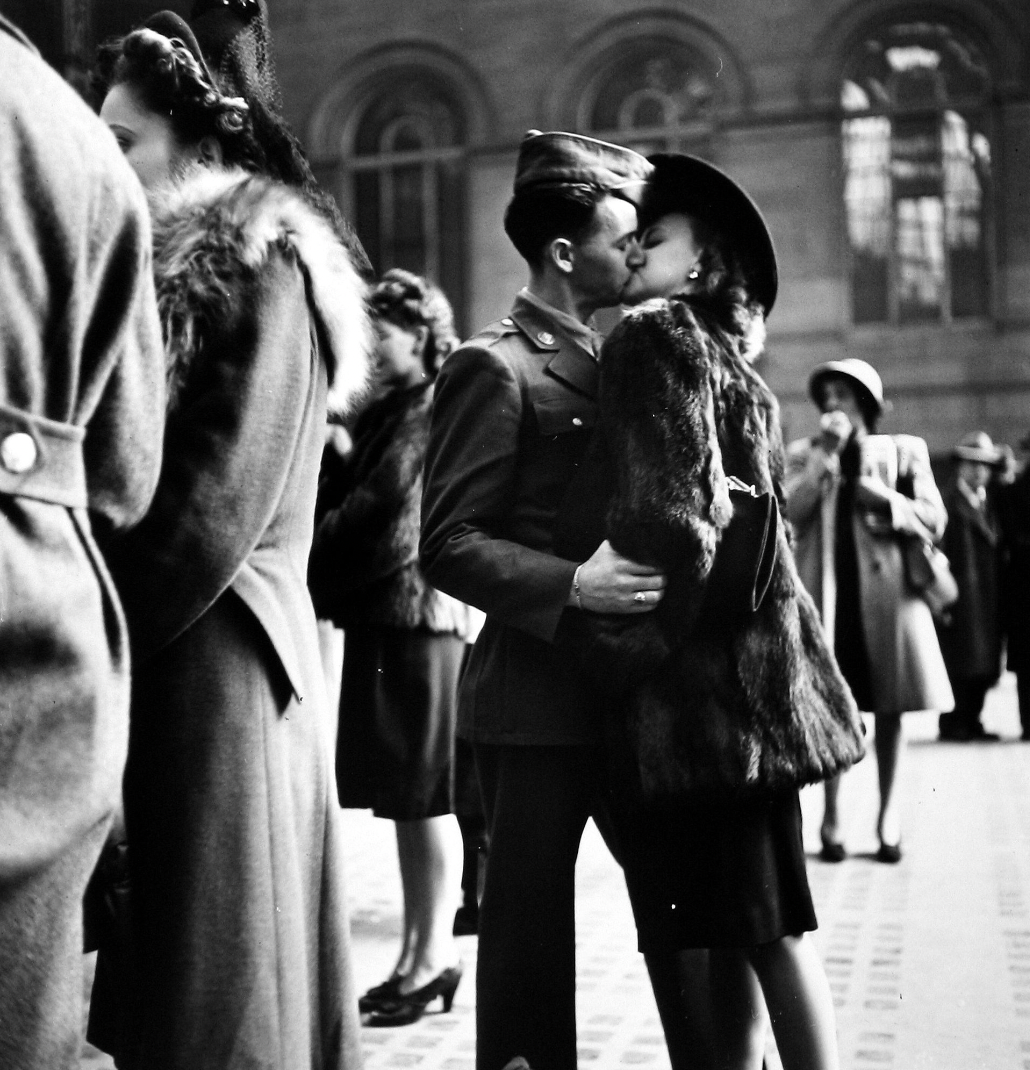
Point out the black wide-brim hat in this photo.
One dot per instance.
(688, 184)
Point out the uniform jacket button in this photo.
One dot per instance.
(506, 322)
(576, 421)
(18, 452)
(545, 338)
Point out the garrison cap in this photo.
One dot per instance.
(557, 160)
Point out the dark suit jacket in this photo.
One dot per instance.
(511, 420)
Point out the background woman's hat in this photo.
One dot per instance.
(858, 371)
(977, 446)
(555, 160)
(682, 183)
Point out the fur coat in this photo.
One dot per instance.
(754, 702)
(364, 560)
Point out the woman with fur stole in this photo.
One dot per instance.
(708, 701)
(239, 924)
(404, 642)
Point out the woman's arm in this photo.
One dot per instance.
(811, 473)
(229, 444)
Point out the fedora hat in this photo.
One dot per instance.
(977, 446)
(857, 371)
(688, 184)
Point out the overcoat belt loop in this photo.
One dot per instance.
(41, 459)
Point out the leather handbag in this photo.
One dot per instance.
(928, 573)
(744, 560)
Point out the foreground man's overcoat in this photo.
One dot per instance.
(81, 409)
(239, 911)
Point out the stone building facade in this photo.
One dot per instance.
(887, 142)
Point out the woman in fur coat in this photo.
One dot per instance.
(709, 700)
(240, 930)
(404, 643)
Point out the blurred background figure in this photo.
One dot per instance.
(971, 632)
(404, 642)
(853, 496)
(81, 412)
(1014, 512)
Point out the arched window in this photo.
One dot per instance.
(656, 95)
(406, 177)
(917, 175)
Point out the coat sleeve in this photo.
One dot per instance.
(471, 480)
(810, 474)
(923, 512)
(229, 443)
(122, 447)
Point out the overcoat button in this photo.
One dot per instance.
(18, 452)
(506, 322)
(576, 421)
(545, 338)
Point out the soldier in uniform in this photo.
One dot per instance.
(512, 416)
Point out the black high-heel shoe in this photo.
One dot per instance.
(377, 995)
(408, 1007)
(831, 850)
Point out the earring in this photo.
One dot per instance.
(693, 274)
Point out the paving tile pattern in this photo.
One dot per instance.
(928, 961)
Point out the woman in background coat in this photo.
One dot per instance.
(852, 496)
(240, 923)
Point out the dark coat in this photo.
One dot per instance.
(511, 419)
(235, 858)
(971, 638)
(704, 700)
(364, 559)
(81, 372)
(1014, 510)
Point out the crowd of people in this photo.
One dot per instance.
(577, 577)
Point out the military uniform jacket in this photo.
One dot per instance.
(512, 416)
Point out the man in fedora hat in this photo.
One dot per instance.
(512, 416)
(971, 636)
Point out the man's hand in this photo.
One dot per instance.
(611, 583)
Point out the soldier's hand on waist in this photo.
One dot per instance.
(607, 582)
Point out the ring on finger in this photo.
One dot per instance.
(640, 596)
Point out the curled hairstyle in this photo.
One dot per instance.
(723, 282)
(535, 217)
(169, 81)
(408, 301)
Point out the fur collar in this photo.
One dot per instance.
(215, 224)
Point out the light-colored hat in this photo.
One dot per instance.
(977, 446)
(555, 160)
(858, 371)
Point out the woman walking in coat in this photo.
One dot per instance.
(240, 924)
(719, 717)
(404, 644)
(852, 497)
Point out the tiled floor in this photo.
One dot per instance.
(929, 961)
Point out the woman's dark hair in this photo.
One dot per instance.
(252, 135)
(408, 301)
(169, 81)
(722, 283)
(865, 401)
(534, 218)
